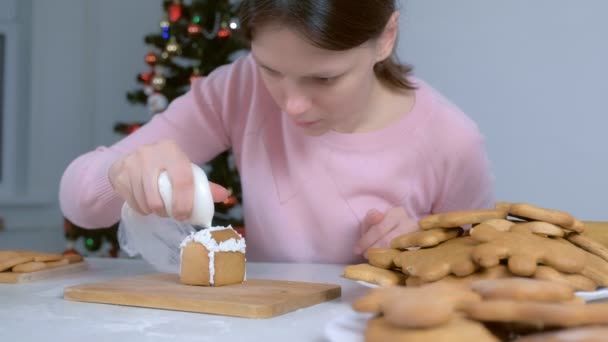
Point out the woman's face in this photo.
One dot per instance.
(320, 90)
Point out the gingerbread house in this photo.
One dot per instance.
(213, 257)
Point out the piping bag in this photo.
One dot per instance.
(157, 239)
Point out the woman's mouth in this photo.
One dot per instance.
(306, 124)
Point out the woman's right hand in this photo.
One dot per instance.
(135, 178)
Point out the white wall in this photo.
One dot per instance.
(530, 73)
(533, 74)
(85, 55)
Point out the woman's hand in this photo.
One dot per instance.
(380, 228)
(135, 178)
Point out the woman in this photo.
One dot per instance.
(339, 148)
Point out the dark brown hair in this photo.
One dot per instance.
(332, 25)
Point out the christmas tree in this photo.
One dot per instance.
(194, 38)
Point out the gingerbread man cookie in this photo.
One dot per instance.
(421, 307)
(374, 275)
(425, 238)
(460, 218)
(524, 251)
(432, 264)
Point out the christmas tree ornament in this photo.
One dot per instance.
(151, 58)
(194, 29)
(159, 82)
(173, 47)
(234, 24)
(145, 77)
(175, 11)
(224, 31)
(132, 128)
(157, 102)
(148, 90)
(93, 243)
(164, 56)
(164, 24)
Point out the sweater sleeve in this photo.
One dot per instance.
(199, 121)
(466, 180)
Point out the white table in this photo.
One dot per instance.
(36, 311)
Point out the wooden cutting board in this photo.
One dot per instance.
(14, 278)
(254, 298)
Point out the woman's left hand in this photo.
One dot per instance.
(380, 228)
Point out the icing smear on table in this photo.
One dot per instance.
(205, 238)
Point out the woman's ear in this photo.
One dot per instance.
(386, 42)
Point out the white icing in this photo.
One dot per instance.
(205, 238)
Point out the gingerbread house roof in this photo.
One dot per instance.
(207, 239)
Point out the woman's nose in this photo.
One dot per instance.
(296, 102)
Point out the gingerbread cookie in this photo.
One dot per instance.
(382, 257)
(432, 264)
(41, 257)
(531, 212)
(501, 225)
(589, 245)
(578, 226)
(460, 218)
(496, 272)
(536, 227)
(28, 267)
(581, 334)
(456, 330)
(504, 206)
(542, 228)
(425, 238)
(597, 231)
(538, 313)
(524, 250)
(10, 259)
(576, 281)
(596, 269)
(522, 289)
(374, 275)
(57, 263)
(420, 307)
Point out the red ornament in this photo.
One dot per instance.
(151, 58)
(132, 128)
(70, 251)
(194, 29)
(146, 77)
(223, 33)
(175, 11)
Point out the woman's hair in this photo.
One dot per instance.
(332, 25)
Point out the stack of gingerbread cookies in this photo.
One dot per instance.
(513, 246)
(24, 261)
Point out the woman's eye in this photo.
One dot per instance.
(271, 72)
(325, 80)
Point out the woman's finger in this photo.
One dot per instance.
(182, 190)
(137, 188)
(376, 232)
(218, 192)
(153, 198)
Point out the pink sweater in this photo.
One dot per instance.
(304, 196)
